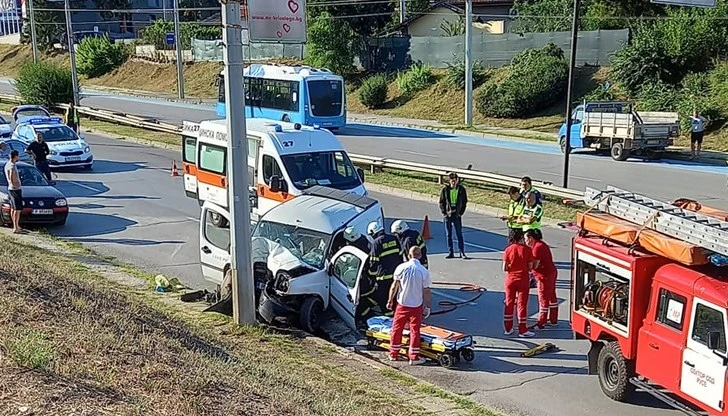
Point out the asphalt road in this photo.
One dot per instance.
(666, 179)
(131, 208)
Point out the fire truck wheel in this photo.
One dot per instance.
(614, 372)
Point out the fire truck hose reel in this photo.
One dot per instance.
(449, 305)
(608, 299)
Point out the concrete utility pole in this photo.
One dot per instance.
(242, 269)
(569, 91)
(402, 10)
(72, 51)
(33, 38)
(178, 45)
(468, 63)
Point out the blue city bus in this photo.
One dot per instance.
(296, 94)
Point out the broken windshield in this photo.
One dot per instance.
(307, 245)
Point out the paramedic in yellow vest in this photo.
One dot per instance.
(72, 117)
(532, 213)
(515, 209)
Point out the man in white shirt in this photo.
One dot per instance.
(411, 292)
(698, 124)
(15, 192)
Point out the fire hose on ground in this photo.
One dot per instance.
(450, 305)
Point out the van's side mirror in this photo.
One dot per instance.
(275, 183)
(253, 196)
(713, 340)
(360, 172)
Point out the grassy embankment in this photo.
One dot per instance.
(79, 333)
(160, 78)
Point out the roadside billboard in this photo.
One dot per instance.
(277, 21)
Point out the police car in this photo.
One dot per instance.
(68, 149)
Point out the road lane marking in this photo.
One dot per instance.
(571, 176)
(417, 153)
(90, 188)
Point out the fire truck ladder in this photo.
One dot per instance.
(707, 232)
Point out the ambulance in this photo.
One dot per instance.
(284, 159)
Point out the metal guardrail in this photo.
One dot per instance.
(373, 162)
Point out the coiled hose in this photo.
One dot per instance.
(449, 305)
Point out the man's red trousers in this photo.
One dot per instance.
(404, 315)
(516, 288)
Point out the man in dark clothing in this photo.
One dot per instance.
(39, 150)
(453, 201)
(527, 187)
(356, 239)
(385, 256)
(368, 284)
(407, 238)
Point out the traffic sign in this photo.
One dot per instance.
(170, 38)
(688, 3)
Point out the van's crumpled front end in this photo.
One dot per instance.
(283, 281)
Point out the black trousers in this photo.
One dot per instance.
(382, 295)
(457, 221)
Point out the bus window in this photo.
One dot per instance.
(212, 158)
(325, 97)
(188, 150)
(273, 94)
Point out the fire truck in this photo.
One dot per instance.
(649, 290)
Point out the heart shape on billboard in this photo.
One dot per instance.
(286, 27)
(280, 35)
(293, 6)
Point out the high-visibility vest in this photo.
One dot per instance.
(537, 212)
(515, 210)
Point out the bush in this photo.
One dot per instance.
(415, 79)
(156, 34)
(373, 91)
(536, 79)
(456, 74)
(98, 56)
(44, 83)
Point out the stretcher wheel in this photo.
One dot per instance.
(468, 354)
(446, 360)
(371, 344)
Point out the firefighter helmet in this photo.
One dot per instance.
(374, 228)
(399, 227)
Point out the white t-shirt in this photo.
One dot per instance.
(9, 169)
(698, 123)
(413, 278)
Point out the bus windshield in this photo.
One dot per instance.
(325, 97)
(332, 169)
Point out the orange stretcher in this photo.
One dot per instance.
(442, 345)
(613, 228)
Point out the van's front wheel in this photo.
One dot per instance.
(312, 311)
(614, 373)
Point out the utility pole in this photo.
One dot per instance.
(569, 91)
(402, 10)
(242, 269)
(468, 63)
(33, 38)
(72, 51)
(178, 45)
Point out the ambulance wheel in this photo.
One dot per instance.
(446, 360)
(311, 312)
(468, 354)
(614, 373)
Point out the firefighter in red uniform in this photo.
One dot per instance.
(517, 262)
(546, 273)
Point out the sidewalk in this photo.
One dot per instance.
(675, 152)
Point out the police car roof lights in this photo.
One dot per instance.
(41, 120)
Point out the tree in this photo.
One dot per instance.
(105, 7)
(363, 17)
(331, 44)
(48, 25)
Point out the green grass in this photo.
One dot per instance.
(71, 339)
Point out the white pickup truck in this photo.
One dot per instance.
(615, 127)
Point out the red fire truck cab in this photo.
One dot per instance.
(653, 323)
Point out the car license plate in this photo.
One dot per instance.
(73, 159)
(43, 212)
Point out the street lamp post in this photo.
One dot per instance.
(178, 45)
(569, 92)
(33, 38)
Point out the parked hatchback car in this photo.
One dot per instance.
(42, 203)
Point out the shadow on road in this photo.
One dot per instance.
(83, 224)
(110, 166)
(126, 241)
(360, 129)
